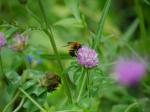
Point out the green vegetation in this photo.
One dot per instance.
(37, 74)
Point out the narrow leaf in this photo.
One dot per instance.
(147, 2)
(127, 35)
(101, 23)
(53, 57)
(74, 7)
(69, 22)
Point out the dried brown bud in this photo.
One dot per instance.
(50, 80)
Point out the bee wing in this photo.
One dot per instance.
(68, 44)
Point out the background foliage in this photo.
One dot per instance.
(125, 33)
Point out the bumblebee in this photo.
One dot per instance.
(73, 48)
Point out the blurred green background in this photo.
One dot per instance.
(70, 21)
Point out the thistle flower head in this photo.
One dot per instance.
(2, 39)
(19, 42)
(129, 71)
(87, 57)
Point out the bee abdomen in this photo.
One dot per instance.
(72, 53)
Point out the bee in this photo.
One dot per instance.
(73, 48)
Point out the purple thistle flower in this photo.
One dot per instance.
(87, 57)
(129, 72)
(2, 39)
(19, 42)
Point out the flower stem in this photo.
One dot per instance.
(82, 87)
(20, 105)
(11, 101)
(1, 64)
(32, 100)
(141, 18)
(48, 31)
(88, 82)
(131, 106)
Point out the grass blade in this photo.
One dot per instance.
(101, 23)
(53, 57)
(127, 35)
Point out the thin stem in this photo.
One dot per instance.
(82, 87)
(1, 64)
(131, 106)
(51, 38)
(85, 31)
(11, 101)
(136, 54)
(48, 31)
(88, 82)
(20, 105)
(141, 18)
(32, 14)
(70, 111)
(32, 100)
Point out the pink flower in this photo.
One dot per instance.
(2, 39)
(87, 57)
(19, 42)
(129, 72)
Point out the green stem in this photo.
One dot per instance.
(1, 64)
(33, 15)
(48, 31)
(88, 82)
(141, 18)
(136, 54)
(20, 105)
(131, 106)
(32, 100)
(82, 87)
(86, 31)
(70, 111)
(51, 38)
(11, 102)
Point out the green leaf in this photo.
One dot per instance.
(11, 88)
(119, 108)
(128, 34)
(147, 2)
(69, 22)
(74, 7)
(32, 74)
(101, 23)
(13, 77)
(10, 32)
(14, 81)
(38, 90)
(53, 57)
(30, 107)
(29, 84)
(77, 76)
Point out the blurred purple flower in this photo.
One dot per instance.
(19, 42)
(129, 71)
(87, 57)
(2, 39)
